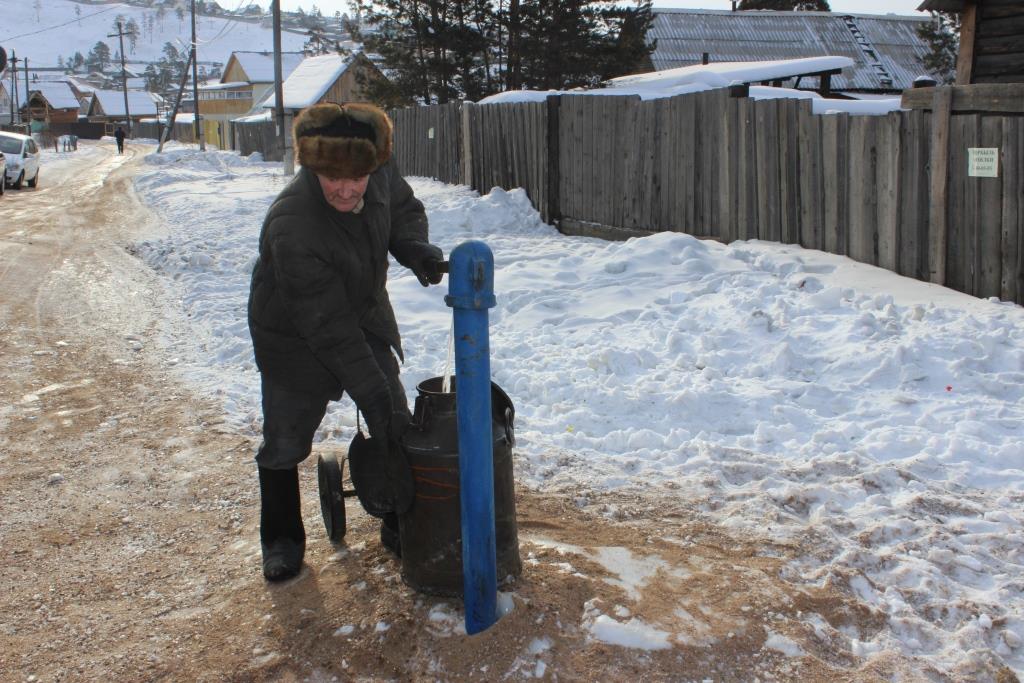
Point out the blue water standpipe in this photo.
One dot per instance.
(470, 294)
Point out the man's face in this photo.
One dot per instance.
(343, 193)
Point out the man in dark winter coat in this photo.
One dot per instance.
(319, 314)
(119, 137)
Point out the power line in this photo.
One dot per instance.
(50, 28)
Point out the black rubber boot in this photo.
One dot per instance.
(282, 535)
(389, 536)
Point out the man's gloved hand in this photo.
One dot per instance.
(377, 411)
(426, 264)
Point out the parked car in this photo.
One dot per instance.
(22, 159)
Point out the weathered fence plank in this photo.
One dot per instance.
(1011, 234)
(789, 172)
(912, 238)
(887, 181)
(747, 166)
(988, 278)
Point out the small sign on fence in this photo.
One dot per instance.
(430, 133)
(983, 162)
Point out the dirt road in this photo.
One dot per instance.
(128, 522)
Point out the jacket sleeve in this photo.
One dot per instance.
(408, 220)
(318, 303)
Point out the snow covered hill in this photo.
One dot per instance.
(59, 28)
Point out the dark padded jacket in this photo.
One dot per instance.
(318, 286)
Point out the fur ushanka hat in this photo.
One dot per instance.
(342, 140)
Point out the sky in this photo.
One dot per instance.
(759, 383)
(907, 7)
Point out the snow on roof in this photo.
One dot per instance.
(112, 102)
(310, 80)
(58, 94)
(723, 73)
(254, 118)
(83, 86)
(223, 86)
(259, 66)
(691, 79)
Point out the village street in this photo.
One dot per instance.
(129, 514)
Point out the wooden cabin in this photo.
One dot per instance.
(991, 39)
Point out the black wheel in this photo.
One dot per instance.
(332, 497)
(17, 183)
(35, 179)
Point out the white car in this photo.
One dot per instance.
(22, 155)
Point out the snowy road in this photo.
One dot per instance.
(733, 462)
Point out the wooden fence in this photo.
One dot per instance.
(736, 168)
(431, 143)
(257, 136)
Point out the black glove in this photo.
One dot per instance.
(426, 264)
(377, 411)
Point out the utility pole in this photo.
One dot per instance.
(195, 85)
(124, 75)
(26, 80)
(177, 103)
(14, 84)
(283, 134)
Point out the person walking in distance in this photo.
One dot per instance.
(119, 136)
(319, 314)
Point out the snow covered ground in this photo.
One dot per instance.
(773, 389)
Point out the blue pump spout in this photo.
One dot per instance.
(470, 294)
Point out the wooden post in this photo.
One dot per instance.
(968, 30)
(467, 146)
(554, 207)
(938, 227)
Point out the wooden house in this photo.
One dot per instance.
(5, 101)
(52, 102)
(991, 39)
(107, 106)
(326, 78)
(247, 78)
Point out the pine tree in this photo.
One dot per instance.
(943, 37)
(98, 58)
(787, 5)
(441, 50)
(132, 31)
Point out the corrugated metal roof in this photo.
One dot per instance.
(684, 35)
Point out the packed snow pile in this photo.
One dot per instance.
(772, 389)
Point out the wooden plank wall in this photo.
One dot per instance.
(509, 149)
(712, 165)
(428, 141)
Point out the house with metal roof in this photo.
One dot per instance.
(107, 106)
(52, 102)
(886, 49)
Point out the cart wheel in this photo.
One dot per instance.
(332, 499)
